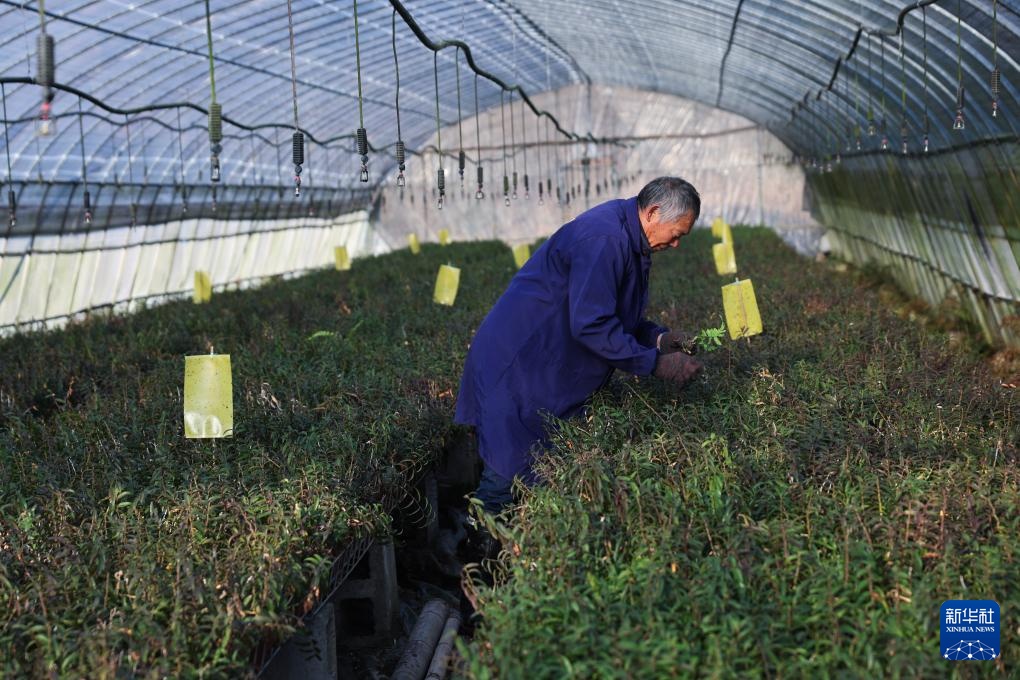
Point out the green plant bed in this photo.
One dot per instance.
(801, 510)
(127, 550)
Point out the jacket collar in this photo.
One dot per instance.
(638, 240)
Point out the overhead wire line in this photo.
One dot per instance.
(362, 134)
(440, 175)
(298, 138)
(215, 110)
(506, 177)
(180, 154)
(400, 151)
(86, 197)
(996, 77)
(461, 159)
(924, 58)
(903, 94)
(480, 192)
(958, 121)
(12, 201)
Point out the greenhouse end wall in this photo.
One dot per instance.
(945, 226)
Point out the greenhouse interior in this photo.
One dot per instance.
(509, 339)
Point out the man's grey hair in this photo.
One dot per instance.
(674, 196)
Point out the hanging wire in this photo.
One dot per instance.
(924, 59)
(557, 167)
(400, 151)
(548, 88)
(131, 170)
(86, 198)
(480, 193)
(180, 156)
(958, 121)
(12, 201)
(885, 136)
(524, 147)
(461, 159)
(871, 102)
(298, 139)
(513, 144)
(46, 75)
(996, 78)
(903, 94)
(541, 160)
(215, 110)
(506, 178)
(440, 176)
(362, 134)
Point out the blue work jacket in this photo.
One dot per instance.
(569, 317)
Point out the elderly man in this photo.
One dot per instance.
(569, 317)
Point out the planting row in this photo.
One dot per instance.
(801, 510)
(126, 549)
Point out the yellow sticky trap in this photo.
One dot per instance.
(203, 288)
(343, 260)
(412, 241)
(446, 284)
(208, 397)
(725, 260)
(444, 237)
(742, 316)
(717, 225)
(521, 254)
(721, 230)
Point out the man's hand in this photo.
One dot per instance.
(677, 341)
(677, 367)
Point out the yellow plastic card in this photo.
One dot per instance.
(412, 241)
(521, 254)
(203, 288)
(446, 284)
(444, 237)
(343, 260)
(725, 260)
(741, 308)
(208, 397)
(717, 225)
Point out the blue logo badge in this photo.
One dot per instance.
(970, 630)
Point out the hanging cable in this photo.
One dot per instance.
(86, 198)
(871, 102)
(996, 75)
(400, 152)
(131, 170)
(958, 122)
(480, 193)
(12, 201)
(513, 144)
(180, 156)
(461, 159)
(885, 136)
(362, 135)
(541, 160)
(506, 178)
(924, 60)
(440, 177)
(557, 169)
(45, 74)
(903, 95)
(524, 147)
(298, 139)
(215, 110)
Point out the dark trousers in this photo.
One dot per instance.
(494, 491)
